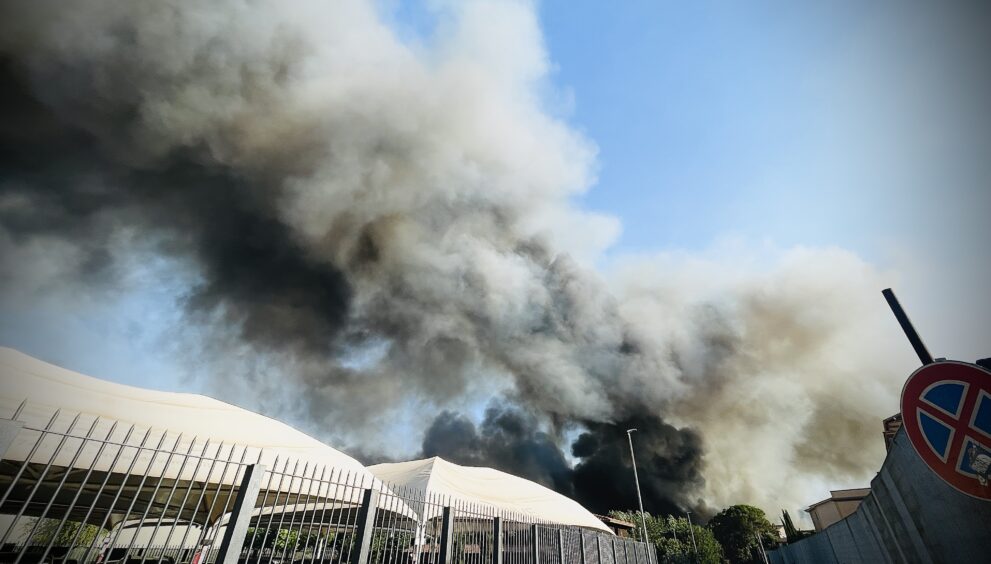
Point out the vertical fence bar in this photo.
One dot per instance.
(497, 540)
(560, 546)
(581, 546)
(353, 486)
(185, 497)
(154, 493)
(293, 512)
(58, 488)
(244, 506)
(535, 548)
(365, 525)
(310, 541)
(39, 480)
(331, 490)
(446, 535)
(103, 484)
(27, 460)
(120, 490)
(168, 500)
(271, 512)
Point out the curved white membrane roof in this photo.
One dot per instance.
(487, 486)
(116, 414)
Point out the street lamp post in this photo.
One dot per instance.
(692, 530)
(636, 479)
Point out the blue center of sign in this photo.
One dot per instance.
(936, 432)
(945, 396)
(982, 419)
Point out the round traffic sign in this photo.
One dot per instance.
(946, 411)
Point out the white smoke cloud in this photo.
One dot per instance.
(789, 361)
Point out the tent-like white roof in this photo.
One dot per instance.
(487, 486)
(45, 388)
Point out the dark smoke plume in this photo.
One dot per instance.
(365, 231)
(507, 439)
(669, 460)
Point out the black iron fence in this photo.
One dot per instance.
(83, 489)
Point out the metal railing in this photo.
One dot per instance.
(83, 489)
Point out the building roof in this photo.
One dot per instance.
(619, 523)
(487, 486)
(855, 494)
(46, 390)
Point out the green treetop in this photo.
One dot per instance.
(738, 528)
(673, 538)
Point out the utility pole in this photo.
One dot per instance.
(636, 479)
(691, 530)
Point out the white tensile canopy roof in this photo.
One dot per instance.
(45, 388)
(487, 486)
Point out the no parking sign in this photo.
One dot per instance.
(946, 411)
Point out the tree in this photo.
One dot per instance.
(792, 533)
(278, 540)
(49, 530)
(673, 538)
(737, 529)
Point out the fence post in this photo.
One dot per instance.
(535, 533)
(581, 546)
(598, 549)
(626, 551)
(447, 536)
(560, 546)
(497, 540)
(244, 506)
(364, 526)
(8, 432)
(615, 559)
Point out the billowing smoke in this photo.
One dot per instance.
(507, 439)
(367, 230)
(602, 479)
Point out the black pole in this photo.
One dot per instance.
(906, 323)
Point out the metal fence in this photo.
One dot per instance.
(84, 489)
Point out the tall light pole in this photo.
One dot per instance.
(692, 530)
(636, 479)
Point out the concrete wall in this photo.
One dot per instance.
(910, 516)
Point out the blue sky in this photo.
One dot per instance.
(808, 124)
(820, 124)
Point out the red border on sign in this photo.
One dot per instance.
(977, 383)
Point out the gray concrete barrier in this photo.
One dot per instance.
(911, 516)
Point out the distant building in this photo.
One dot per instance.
(838, 505)
(618, 526)
(891, 426)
